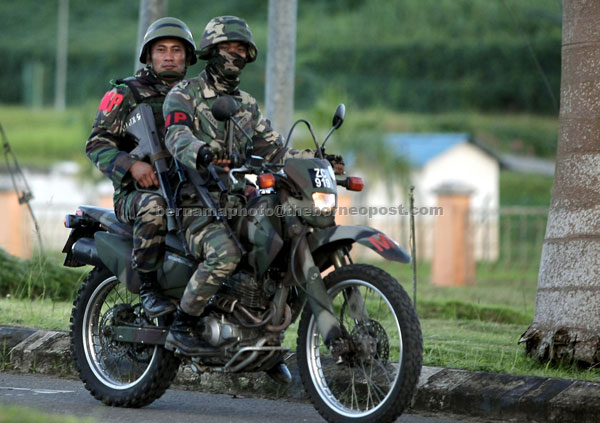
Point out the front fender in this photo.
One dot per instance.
(338, 236)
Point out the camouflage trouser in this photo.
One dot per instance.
(145, 211)
(219, 256)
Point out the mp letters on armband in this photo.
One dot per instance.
(109, 101)
(178, 118)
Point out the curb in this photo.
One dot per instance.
(460, 392)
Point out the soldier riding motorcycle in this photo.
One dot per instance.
(359, 344)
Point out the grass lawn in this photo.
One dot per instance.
(513, 290)
(11, 414)
(40, 137)
(42, 314)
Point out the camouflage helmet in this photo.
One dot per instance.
(226, 28)
(169, 28)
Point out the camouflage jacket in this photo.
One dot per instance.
(108, 146)
(190, 124)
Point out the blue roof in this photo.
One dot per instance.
(418, 149)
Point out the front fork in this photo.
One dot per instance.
(329, 325)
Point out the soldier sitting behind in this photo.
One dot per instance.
(167, 50)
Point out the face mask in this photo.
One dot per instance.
(225, 68)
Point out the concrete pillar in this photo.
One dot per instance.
(150, 10)
(281, 63)
(453, 254)
(15, 231)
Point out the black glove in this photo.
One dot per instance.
(337, 162)
(205, 156)
(334, 159)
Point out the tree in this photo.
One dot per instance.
(567, 316)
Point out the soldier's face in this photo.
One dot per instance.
(233, 47)
(168, 54)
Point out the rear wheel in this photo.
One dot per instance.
(117, 373)
(377, 378)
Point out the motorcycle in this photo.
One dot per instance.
(359, 342)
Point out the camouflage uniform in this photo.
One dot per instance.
(108, 148)
(190, 125)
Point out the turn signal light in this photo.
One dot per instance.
(266, 180)
(355, 183)
(71, 220)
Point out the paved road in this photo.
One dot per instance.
(59, 396)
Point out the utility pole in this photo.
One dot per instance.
(281, 61)
(62, 40)
(150, 10)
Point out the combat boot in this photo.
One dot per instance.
(280, 373)
(153, 301)
(183, 336)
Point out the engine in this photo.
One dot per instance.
(242, 312)
(217, 332)
(247, 290)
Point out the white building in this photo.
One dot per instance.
(437, 160)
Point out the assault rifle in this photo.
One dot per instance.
(200, 186)
(142, 126)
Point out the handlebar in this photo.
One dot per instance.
(255, 166)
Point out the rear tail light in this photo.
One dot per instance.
(70, 221)
(73, 220)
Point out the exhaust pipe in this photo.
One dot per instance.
(84, 251)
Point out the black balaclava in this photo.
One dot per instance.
(224, 70)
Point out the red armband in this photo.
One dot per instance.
(178, 118)
(109, 101)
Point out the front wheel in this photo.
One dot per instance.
(121, 374)
(377, 378)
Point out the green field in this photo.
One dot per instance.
(42, 137)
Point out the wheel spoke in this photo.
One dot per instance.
(116, 364)
(367, 379)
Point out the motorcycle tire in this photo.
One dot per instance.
(377, 381)
(116, 373)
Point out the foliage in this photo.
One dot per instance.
(414, 55)
(40, 277)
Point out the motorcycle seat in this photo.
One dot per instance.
(108, 219)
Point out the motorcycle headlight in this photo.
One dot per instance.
(325, 202)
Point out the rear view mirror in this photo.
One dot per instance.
(224, 108)
(338, 117)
